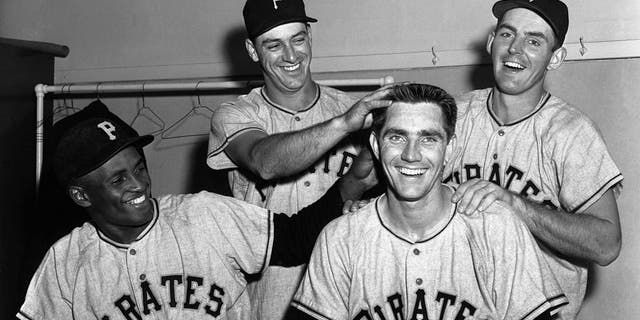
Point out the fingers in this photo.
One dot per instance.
(477, 195)
(346, 207)
(353, 206)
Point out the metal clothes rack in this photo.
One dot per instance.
(155, 86)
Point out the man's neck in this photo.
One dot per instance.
(294, 101)
(416, 220)
(509, 108)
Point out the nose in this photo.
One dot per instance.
(289, 54)
(516, 45)
(411, 153)
(136, 183)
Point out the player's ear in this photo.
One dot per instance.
(309, 33)
(79, 196)
(490, 38)
(448, 153)
(557, 58)
(373, 141)
(251, 50)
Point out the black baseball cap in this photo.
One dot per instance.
(88, 138)
(554, 12)
(261, 16)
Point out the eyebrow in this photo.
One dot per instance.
(529, 33)
(271, 40)
(421, 133)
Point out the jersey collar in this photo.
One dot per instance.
(541, 103)
(142, 234)
(286, 110)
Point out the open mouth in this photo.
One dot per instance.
(292, 68)
(411, 172)
(137, 201)
(514, 65)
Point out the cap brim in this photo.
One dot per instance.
(139, 142)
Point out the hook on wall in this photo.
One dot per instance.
(435, 58)
(583, 49)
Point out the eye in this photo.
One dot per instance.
(395, 138)
(534, 42)
(430, 139)
(299, 40)
(505, 34)
(273, 46)
(118, 180)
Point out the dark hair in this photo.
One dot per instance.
(417, 93)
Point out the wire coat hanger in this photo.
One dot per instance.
(193, 111)
(152, 116)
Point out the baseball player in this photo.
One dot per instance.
(287, 142)
(409, 254)
(171, 257)
(537, 154)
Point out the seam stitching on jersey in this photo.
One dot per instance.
(225, 143)
(609, 184)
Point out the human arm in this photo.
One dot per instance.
(284, 154)
(295, 236)
(593, 235)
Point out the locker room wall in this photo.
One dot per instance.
(125, 40)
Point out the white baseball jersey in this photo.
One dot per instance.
(255, 111)
(271, 295)
(187, 264)
(555, 155)
(484, 266)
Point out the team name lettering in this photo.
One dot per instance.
(512, 179)
(395, 307)
(324, 165)
(174, 286)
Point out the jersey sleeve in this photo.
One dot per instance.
(240, 231)
(586, 170)
(521, 281)
(324, 290)
(45, 298)
(227, 122)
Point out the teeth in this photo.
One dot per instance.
(513, 65)
(412, 172)
(137, 200)
(292, 68)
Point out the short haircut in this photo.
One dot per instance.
(417, 93)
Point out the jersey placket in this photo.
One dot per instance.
(497, 143)
(132, 258)
(415, 282)
(298, 122)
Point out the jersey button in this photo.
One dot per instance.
(416, 251)
(307, 183)
(501, 133)
(419, 281)
(132, 252)
(495, 156)
(297, 118)
(142, 277)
